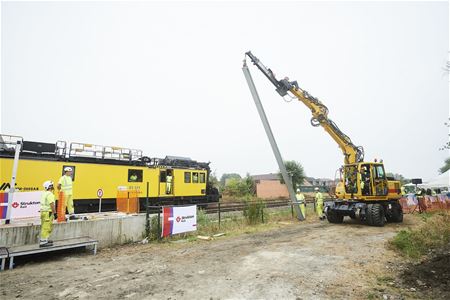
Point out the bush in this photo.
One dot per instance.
(154, 232)
(434, 234)
(254, 211)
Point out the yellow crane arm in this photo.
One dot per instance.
(352, 153)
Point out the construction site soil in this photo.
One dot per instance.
(314, 260)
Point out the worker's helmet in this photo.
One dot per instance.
(316, 189)
(48, 184)
(298, 190)
(68, 169)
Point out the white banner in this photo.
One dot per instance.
(26, 205)
(179, 220)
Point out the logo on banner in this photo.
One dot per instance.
(24, 205)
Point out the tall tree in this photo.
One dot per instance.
(226, 176)
(295, 171)
(446, 166)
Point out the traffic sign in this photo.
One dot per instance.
(99, 193)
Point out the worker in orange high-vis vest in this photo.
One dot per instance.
(65, 185)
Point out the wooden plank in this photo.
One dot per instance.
(57, 245)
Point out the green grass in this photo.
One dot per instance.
(231, 225)
(433, 234)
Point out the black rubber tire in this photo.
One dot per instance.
(397, 213)
(333, 217)
(375, 215)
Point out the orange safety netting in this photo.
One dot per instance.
(127, 201)
(61, 208)
(412, 203)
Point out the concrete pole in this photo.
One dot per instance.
(271, 138)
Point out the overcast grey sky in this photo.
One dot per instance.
(166, 77)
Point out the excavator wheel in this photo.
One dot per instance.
(375, 215)
(333, 217)
(396, 213)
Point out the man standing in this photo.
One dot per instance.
(319, 204)
(48, 214)
(65, 185)
(301, 202)
(169, 180)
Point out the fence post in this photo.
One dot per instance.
(218, 205)
(262, 214)
(159, 223)
(292, 210)
(147, 215)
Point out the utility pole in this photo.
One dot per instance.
(272, 141)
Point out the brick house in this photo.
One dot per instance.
(269, 186)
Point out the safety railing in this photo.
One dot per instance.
(104, 152)
(8, 142)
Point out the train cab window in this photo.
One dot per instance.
(73, 171)
(134, 175)
(202, 178)
(162, 176)
(195, 177)
(187, 177)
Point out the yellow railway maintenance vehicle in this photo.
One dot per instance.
(364, 191)
(107, 168)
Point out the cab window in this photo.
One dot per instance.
(162, 176)
(134, 175)
(187, 177)
(202, 177)
(380, 172)
(195, 177)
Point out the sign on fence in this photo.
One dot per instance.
(24, 205)
(179, 219)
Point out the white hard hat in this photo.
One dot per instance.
(316, 189)
(48, 184)
(298, 190)
(68, 169)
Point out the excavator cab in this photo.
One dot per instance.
(364, 180)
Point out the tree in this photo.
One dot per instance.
(226, 176)
(445, 167)
(237, 187)
(399, 177)
(447, 144)
(213, 180)
(295, 171)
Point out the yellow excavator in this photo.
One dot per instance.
(364, 191)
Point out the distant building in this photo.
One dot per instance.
(269, 186)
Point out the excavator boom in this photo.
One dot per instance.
(352, 153)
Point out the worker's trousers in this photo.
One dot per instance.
(303, 209)
(319, 209)
(168, 188)
(68, 203)
(46, 224)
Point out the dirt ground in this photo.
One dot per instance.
(292, 261)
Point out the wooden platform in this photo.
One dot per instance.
(12, 252)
